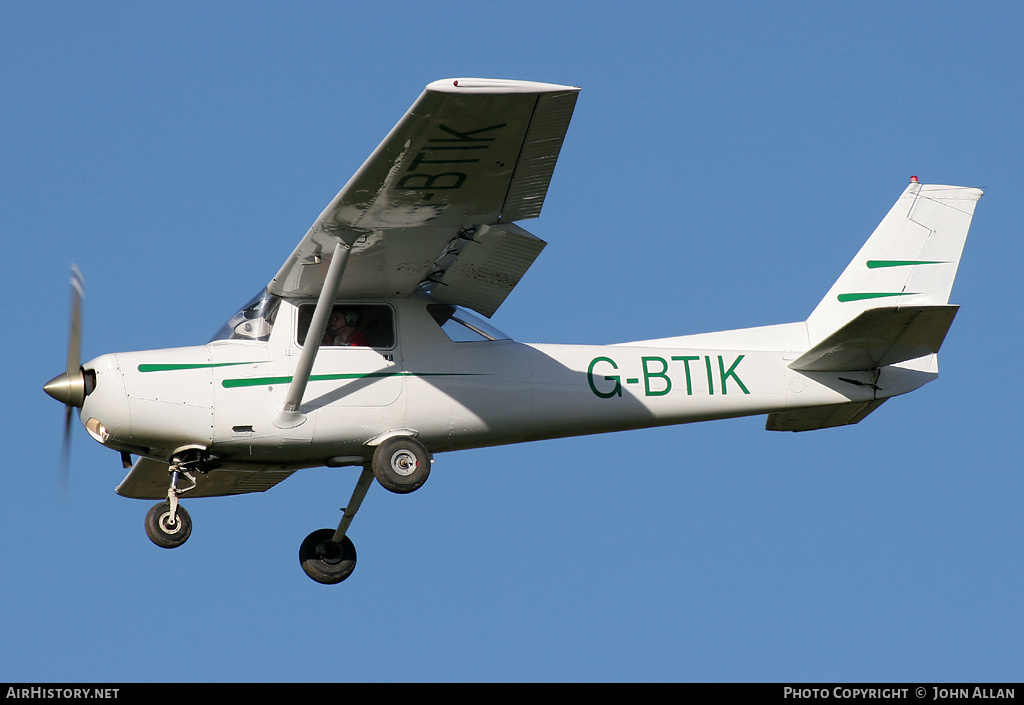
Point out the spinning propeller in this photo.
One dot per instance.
(69, 386)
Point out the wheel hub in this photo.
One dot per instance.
(404, 463)
(329, 552)
(170, 524)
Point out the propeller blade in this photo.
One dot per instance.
(75, 336)
(63, 469)
(70, 386)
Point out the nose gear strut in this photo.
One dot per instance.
(168, 524)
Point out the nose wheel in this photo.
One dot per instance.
(168, 529)
(168, 525)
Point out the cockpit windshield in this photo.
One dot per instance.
(253, 322)
(462, 326)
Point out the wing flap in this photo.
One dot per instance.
(488, 267)
(879, 337)
(149, 479)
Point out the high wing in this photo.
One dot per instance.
(434, 204)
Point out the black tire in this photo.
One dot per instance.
(325, 561)
(162, 532)
(401, 464)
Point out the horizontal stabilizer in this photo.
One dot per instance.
(879, 337)
(812, 418)
(149, 479)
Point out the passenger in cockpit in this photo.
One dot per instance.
(343, 327)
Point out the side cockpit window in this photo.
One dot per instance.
(461, 326)
(359, 325)
(253, 322)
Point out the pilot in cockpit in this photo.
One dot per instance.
(343, 327)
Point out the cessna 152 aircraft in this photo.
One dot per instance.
(362, 351)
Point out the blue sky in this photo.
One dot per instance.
(725, 162)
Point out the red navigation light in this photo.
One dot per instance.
(913, 179)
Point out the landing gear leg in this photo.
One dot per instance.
(168, 525)
(328, 555)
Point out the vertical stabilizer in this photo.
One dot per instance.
(909, 261)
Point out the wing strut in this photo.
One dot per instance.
(289, 416)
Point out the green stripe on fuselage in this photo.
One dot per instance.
(168, 367)
(257, 381)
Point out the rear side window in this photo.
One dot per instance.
(462, 326)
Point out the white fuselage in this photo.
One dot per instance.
(222, 396)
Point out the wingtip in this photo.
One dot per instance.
(494, 85)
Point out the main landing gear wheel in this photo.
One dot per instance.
(165, 530)
(325, 561)
(401, 464)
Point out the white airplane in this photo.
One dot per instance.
(384, 282)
